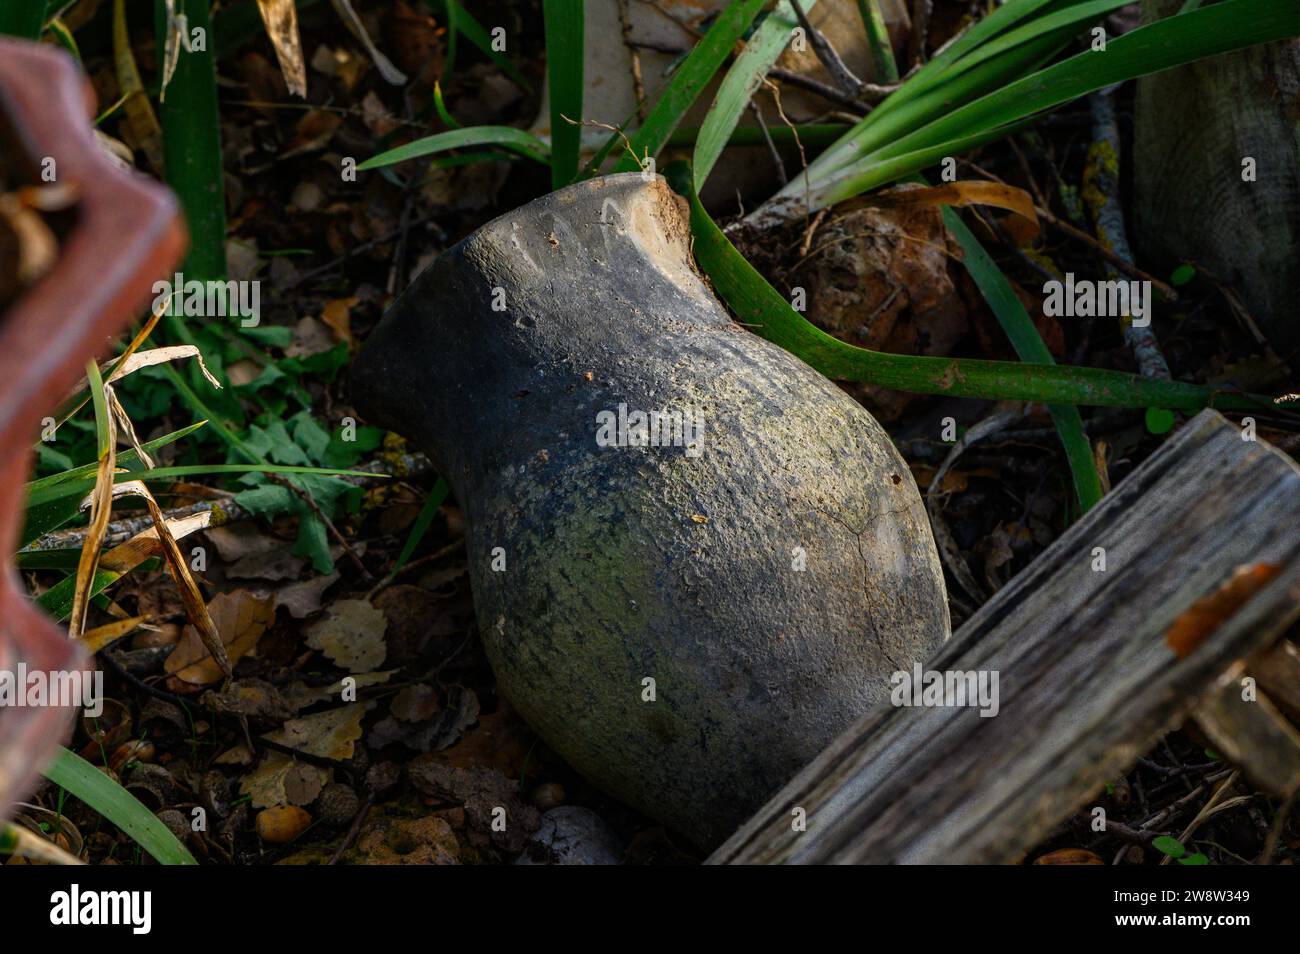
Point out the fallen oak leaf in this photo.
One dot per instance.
(280, 779)
(240, 619)
(332, 734)
(351, 635)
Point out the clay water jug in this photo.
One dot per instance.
(694, 560)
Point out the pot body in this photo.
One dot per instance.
(686, 607)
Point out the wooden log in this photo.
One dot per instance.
(1087, 682)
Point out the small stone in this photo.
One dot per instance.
(572, 835)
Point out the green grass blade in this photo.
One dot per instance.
(192, 145)
(70, 771)
(79, 488)
(463, 22)
(123, 458)
(22, 18)
(1061, 24)
(691, 77)
(524, 143)
(564, 52)
(738, 86)
(422, 522)
(103, 440)
(1162, 45)
(1029, 345)
(57, 600)
(882, 50)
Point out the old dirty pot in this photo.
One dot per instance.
(694, 559)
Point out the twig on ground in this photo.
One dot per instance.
(840, 73)
(771, 146)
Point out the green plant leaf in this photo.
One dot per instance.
(97, 790)
(948, 107)
(689, 80)
(738, 86)
(192, 145)
(524, 143)
(422, 522)
(461, 21)
(882, 50)
(22, 18)
(762, 309)
(1029, 345)
(1169, 846)
(564, 54)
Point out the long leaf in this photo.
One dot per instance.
(70, 771)
(762, 309)
(689, 80)
(564, 52)
(460, 20)
(744, 77)
(1162, 45)
(524, 143)
(1029, 345)
(78, 488)
(192, 144)
(22, 18)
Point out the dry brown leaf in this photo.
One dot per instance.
(101, 506)
(280, 779)
(303, 599)
(195, 608)
(301, 696)
(240, 619)
(351, 635)
(338, 315)
(102, 636)
(966, 192)
(281, 20)
(502, 741)
(1069, 856)
(332, 734)
(310, 336)
(141, 121)
(314, 131)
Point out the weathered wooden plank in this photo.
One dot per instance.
(1253, 734)
(1087, 682)
(1279, 675)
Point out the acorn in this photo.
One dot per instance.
(282, 824)
(337, 804)
(694, 560)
